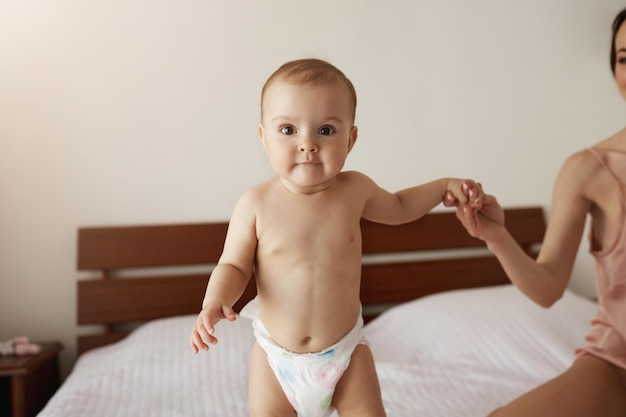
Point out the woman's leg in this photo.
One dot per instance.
(590, 387)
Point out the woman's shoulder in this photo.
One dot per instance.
(584, 168)
(584, 158)
(616, 142)
(592, 158)
(581, 166)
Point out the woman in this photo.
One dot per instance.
(592, 181)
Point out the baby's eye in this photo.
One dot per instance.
(326, 130)
(622, 60)
(287, 130)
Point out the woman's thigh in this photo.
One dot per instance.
(590, 387)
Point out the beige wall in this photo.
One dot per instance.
(120, 112)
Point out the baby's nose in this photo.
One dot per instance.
(308, 146)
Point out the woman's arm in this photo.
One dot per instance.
(543, 280)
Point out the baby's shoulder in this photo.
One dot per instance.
(254, 196)
(353, 177)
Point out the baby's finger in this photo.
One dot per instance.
(206, 331)
(229, 313)
(460, 196)
(476, 202)
(207, 323)
(196, 342)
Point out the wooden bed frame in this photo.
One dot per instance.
(446, 258)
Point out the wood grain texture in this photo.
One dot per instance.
(436, 262)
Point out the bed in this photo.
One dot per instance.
(449, 334)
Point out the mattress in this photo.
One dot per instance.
(460, 353)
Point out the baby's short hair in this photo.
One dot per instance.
(311, 71)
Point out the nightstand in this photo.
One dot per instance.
(28, 382)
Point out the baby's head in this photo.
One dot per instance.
(311, 72)
(307, 123)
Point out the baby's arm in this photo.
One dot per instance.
(412, 203)
(230, 276)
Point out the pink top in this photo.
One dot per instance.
(607, 336)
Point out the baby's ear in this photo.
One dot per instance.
(262, 134)
(354, 132)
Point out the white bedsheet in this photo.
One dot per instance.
(461, 353)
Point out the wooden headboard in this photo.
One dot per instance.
(153, 271)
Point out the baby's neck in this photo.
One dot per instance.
(313, 189)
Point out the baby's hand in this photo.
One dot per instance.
(204, 327)
(471, 194)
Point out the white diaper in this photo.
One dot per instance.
(308, 379)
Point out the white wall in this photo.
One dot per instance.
(122, 112)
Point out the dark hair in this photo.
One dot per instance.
(617, 23)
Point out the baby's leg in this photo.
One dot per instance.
(358, 391)
(590, 387)
(264, 392)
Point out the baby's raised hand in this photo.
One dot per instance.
(471, 195)
(204, 327)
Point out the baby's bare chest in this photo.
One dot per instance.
(328, 231)
(329, 237)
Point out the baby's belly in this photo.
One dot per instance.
(302, 328)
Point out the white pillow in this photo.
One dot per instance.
(496, 329)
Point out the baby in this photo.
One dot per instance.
(299, 232)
